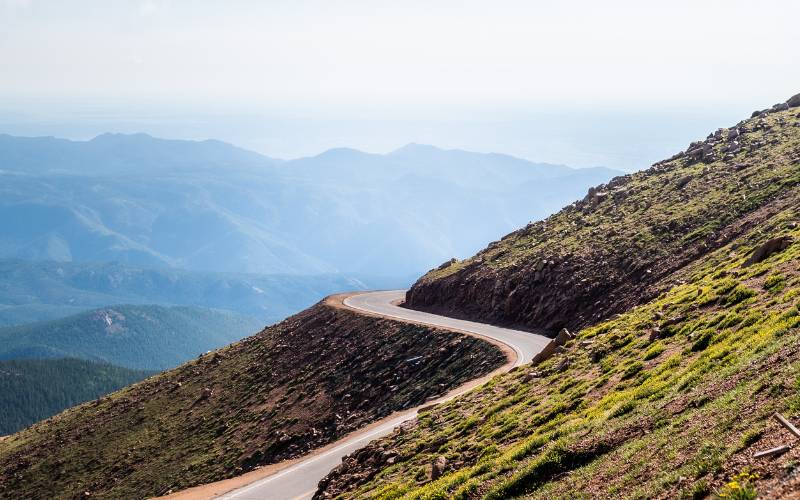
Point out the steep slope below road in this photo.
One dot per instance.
(624, 241)
(293, 387)
(295, 481)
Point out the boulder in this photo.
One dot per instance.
(781, 106)
(695, 153)
(768, 248)
(447, 264)
(793, 101)
(680, 183)
(563, 337)
(437, 467)
(552, 347)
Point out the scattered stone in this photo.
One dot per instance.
(447, 264)
(680, 183)
(563, 365)
(781, 106)
(562, 338)
(768, 248)
(531, 375)
(437, 467)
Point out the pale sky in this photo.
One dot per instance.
(419, 63)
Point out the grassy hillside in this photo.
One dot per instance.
(621, 244)
(687, 343)
(141, 337)
(293, 387)
(34, 389)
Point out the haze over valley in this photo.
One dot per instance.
(314, 250)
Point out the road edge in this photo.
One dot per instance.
(217, 489)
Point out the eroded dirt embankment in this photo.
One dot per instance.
(289, 389)
(628, 240)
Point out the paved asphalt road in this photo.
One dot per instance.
(299, 481)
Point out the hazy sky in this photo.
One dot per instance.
(293, 77)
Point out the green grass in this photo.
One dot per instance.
(651, 418)
(296, 380)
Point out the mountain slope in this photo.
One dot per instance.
(622, 242)
(209, 206)
(293, 387)
(31, 291)
(32, 390)
(139, 337)
(688, 326)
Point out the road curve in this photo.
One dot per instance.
(299, 481)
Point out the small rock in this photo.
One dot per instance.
(768, 248)
(680, 183)
(531, 376)
(563, 337)
(447, 264)
(437, 467)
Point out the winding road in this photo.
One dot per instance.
(299, 480)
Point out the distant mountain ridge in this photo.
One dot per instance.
(111, 153)
(138, 337)
(32, 291)
(211, 206)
